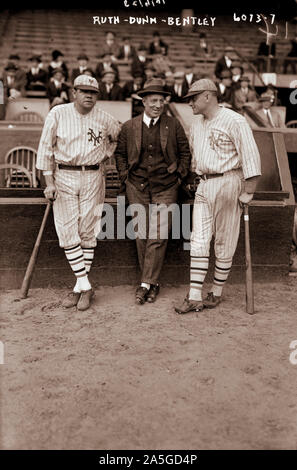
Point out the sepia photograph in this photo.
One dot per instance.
(148, 227)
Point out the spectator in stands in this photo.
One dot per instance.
(161, 63)
(130, 89)
(37, 77)
(110, 46)
(158, 46)
(190, 76)
(269, 116)
(237, 72)
(89, 72)
(140, 61)
(225, 89)
(149, 72)
(204, 48)
(106, 64)
(127, 51)
(179, 88)
(291, 57)
(273, 92)
(169, 80)
(265, 52)
(224, 62)
(13, 88)
(83, 65)
(56, 63)
(109, 90)
(57, 89)
(243, 96)
(20, 74)
(132, 86)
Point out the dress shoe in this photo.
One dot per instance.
(190, 306)
(71, 300)
(153, 292)
(85, 299)
(211, 300)
(141, 295)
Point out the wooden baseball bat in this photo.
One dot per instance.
(31, 265)
(248, 263)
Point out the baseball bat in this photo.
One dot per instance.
(248, 263)
(31, 265)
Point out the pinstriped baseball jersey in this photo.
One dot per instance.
(224, 143)
(72, 138)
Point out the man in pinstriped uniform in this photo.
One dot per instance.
(226, 158)
(75, 140)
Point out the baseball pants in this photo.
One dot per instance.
(217, 212)
(78, 206)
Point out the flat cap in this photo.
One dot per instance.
(205, 84)
(85, 82)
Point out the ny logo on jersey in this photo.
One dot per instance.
(93, 138)
(218, 140)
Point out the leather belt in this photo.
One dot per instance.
(208, 176)
(78, 167)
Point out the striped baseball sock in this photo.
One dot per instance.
(88, 257)
(75, 257)
(198, 271)
(222, 269)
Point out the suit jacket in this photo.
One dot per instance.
(174, 145)
(115, 94)
(220, 66)
(157, 50)
(41, 76)
(132, 53)
(174, 96)
(128, 89)
(264, 49)
(20, 81)
(225, 97)
(239, 99)
(137, 66)
(194, 78)
(53, 92)
(200, 52)
(100, 69)
(277, 121)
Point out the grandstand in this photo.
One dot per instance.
(39, 31)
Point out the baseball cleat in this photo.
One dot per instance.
(85, 299)
(141, 295)
(71, 300)
(189, 306)
(153, 292)
(211, 300)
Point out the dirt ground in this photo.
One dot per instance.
(122, 376)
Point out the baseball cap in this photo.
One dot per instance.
(85, 82)
(204, 84)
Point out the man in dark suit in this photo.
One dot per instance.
(152, 158)
(37, 77)
(126, 50)
(130, 90)
(140, 61)
(267, 51)
(224, 62)
(106, 64)
(108, 89)
(225, 89)
(57, 90)
(179, 89)
(83, 65)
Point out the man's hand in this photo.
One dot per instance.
(50, 192)
(245, 198)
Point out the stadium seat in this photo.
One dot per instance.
(25, 157)
(28, 116)
(16, 176)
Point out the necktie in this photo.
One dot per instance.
(151, 123)
(269, 117)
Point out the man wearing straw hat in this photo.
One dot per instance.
(152, 158)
